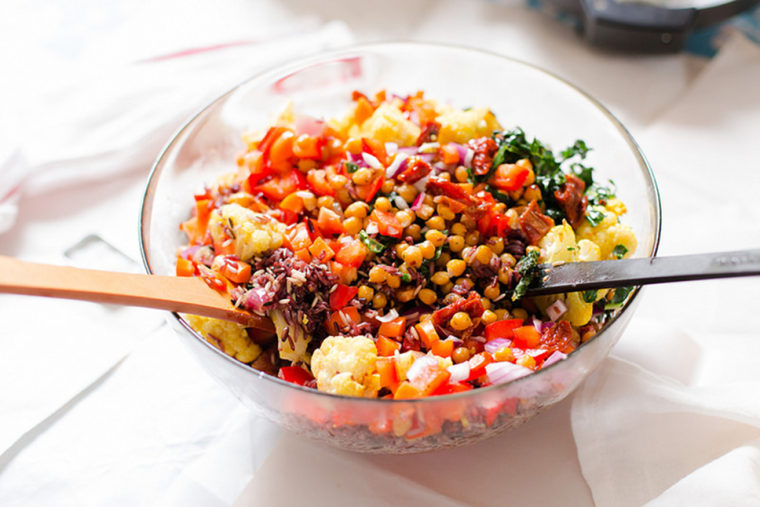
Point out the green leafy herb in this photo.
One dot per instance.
(589, 296)
(594, 217)
(373, 245)
(351, 167)
(406, 277)
(579, 148)
(619, 251)
(529, 271)
(599, 195)
(499, 196)
(585, 173)
(618, 298)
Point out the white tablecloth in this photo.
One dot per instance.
(103, 406)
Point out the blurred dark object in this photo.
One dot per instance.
(643, 28)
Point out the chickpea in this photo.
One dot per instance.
(519, 313)
(440, 278)
(501, 313)
(405, 295)
(436, 237)
(414, 231)
(383, 204)
(526, 361)
(354, 145)
(387, 186)
(309, 199)
(532, 193)
(456, 243)
(460, 321)
(488, 317)
(405, 217)
(425, 211)
(445, 212)
(492, 292)
(505, 354)
(436, 222)
(407, 192)
(393, 281)
(352, 225)
(412, 256)
(443, 259)
(357, 209)
(427, 296)
(460, 355)
(337, 181)
(456, 267)
(483, 254)
(362, 176)
(325, 201)
(472, 238)
(379, 300)
(459, 229)
(377, 275)
(461, 174)
(401, 248)
(366, 292)
(496, 245)
(427, 249)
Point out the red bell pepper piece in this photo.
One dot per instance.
(295, 374)
(502, 329)
(342, 295)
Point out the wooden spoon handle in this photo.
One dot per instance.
(176, 294)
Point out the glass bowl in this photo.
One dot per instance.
(519, 94)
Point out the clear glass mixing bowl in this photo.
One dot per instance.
(519, 94)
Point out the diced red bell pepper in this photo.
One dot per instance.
(375, 148)
(336, 322)
(297, 237)
(295, 374)
(342, 295)
(386, 346)
(329, 222)
(387, 223)
(478, 364)
(509, 177)
(393, 328)
(352, 253)
(279, 187)
(502, 329)
(526, 337)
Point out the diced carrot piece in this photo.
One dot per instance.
(526, 337)
(321, 251)
(393, 328)
(406, 391)
(387, 371)
(292, 202)
(282, 151)
(303, 254)
(386, 346)
(449, 154)
(427, 333)
(443, 348)
(329, 222)
(363, 110)
(185, 267)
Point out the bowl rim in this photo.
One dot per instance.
(290, 67)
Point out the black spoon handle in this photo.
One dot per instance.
(576, 276)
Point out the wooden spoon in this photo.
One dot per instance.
(173, 293)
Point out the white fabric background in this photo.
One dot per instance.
(102, 406)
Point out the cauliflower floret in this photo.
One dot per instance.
(230, 337)
(347, 366)
(609, 233)
(252, 233)
(388, 124)
(458, 126)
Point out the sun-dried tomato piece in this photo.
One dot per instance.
(561, 336)
(415, 170)
(571, 199)
(484, 148)
(534, 224)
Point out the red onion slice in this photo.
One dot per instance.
(555, 357)
(418, 201)
(494, 345)
(459, 372)
(556, 310)
(501, 372)
(416, 370)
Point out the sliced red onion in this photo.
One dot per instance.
(188, 252)
(400, 202)
(431, 147)
(501, 372)
(494, 345)
(418, 367)
(556, 309)
(427, 157)
(392, 314)
(556, 356)
(399, 163)
(372, 228)
(305, 124)
(459, 372)
(538, 324)
(468, 158)
(440, 166)
(546, 325)
(391, 148)
(408, 150)
(420, 185)
(372, 160)
(418, 201)
(256, 298)
(462, 150)
(358, 160)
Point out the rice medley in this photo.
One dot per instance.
(391, 249)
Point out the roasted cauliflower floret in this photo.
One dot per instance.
(347, 366)
(609, 233)
(388, 124)
(458, 126)
(230, 337)
(251, 233)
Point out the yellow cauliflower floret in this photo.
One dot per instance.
(458, 126)
(230, 337)
(253, 233)
(347, 366)
(558, 245)
(609, 233)
(387, 124)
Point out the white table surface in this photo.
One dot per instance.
(103, 406)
